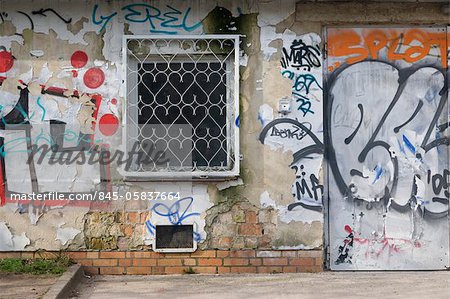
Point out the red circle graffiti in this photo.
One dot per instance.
(109, 124)
(6, 61)
(94, 77)
(78, 59)
(114, 101)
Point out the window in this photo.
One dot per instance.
(182, 106)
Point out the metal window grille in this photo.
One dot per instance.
(182, 102)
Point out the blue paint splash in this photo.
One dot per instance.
(378, 172)
(42, 107)
(409, 145)
(174, 213)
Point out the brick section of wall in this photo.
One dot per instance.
(202, 262)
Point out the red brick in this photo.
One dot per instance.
(189, 262)
(204, 253)
(139, 270)
(76, 255)
(265, 241)
(144, 254)
(104, 262)
(112, 255)
(289, 269)
(319, 261)
(173, 255)
(144, 262)
(242, 253)
(91, 270)
(224, 242)
(210, 262)
(170, 262)
(310, 253)
(85, 263)
(158, 270)
(235, 262)
(270, 269)
(277, 261)
(92, 254)
(251, 217)
(303, 261)
(243, 270)
(133, 217)
(128, 230)
(223, 253)
(205, 270)
(112, 270)
(222, 270)
(175, 270)
(255, 262)
(125, 262)
(247, 229)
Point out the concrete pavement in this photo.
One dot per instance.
(25, 286)
(424, 284)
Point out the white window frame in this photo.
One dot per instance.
(233, 149)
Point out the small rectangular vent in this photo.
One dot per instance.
(174, 238)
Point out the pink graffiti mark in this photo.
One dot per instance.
(390, 244)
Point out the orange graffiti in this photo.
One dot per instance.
(410, 45)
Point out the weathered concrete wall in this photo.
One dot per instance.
(65, 53)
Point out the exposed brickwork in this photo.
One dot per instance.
(244, 226)
(205, 262)
(115, 230)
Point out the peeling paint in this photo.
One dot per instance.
(66, 234)
(10, 242)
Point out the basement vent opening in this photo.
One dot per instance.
(174, 238)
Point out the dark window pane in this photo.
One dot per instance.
(174, 236)
(187, 93)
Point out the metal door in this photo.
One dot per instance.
(386, 133)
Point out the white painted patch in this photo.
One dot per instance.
(10, 242)
(44, 75)
(227, 184)
(298, 213)
(189, 209)
(27, 76)
(265, 114)
(66, 234)
(266, 201)
(37, 53)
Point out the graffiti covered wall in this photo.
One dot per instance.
(62, 101)
(357, 113)
(387, 131)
